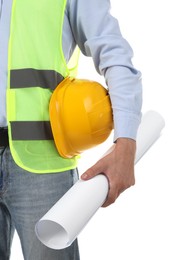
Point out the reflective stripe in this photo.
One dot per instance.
(31, 130)
(25, 78)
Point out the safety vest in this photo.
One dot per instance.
(36, 65)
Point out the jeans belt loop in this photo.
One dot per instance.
(4, 140)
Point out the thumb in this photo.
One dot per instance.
(92, 171)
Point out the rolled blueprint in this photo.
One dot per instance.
(149, 131)
(59, 227)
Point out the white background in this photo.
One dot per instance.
(142, 224)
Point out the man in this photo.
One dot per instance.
(37, 39)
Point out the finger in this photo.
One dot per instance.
(113, 194)
(92, 172)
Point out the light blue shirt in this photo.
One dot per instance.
(89, 24)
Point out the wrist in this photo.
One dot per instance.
(127, 143)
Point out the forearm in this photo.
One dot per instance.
(125, 91)
(98, 35)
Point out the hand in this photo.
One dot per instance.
(118, 167)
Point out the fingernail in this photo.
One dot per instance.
(84, 176)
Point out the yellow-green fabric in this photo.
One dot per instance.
(36, 66)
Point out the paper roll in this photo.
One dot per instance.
(149, 131)
(59, 227)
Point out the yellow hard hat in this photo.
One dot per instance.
(80, 116)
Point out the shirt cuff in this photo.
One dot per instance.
(125, 126)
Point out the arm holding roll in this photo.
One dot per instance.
(118, 167)
(118, 164)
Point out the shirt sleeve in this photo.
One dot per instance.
(98, 35)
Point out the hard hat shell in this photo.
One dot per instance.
(80, 116)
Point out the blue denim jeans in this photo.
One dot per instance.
(24, 198)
